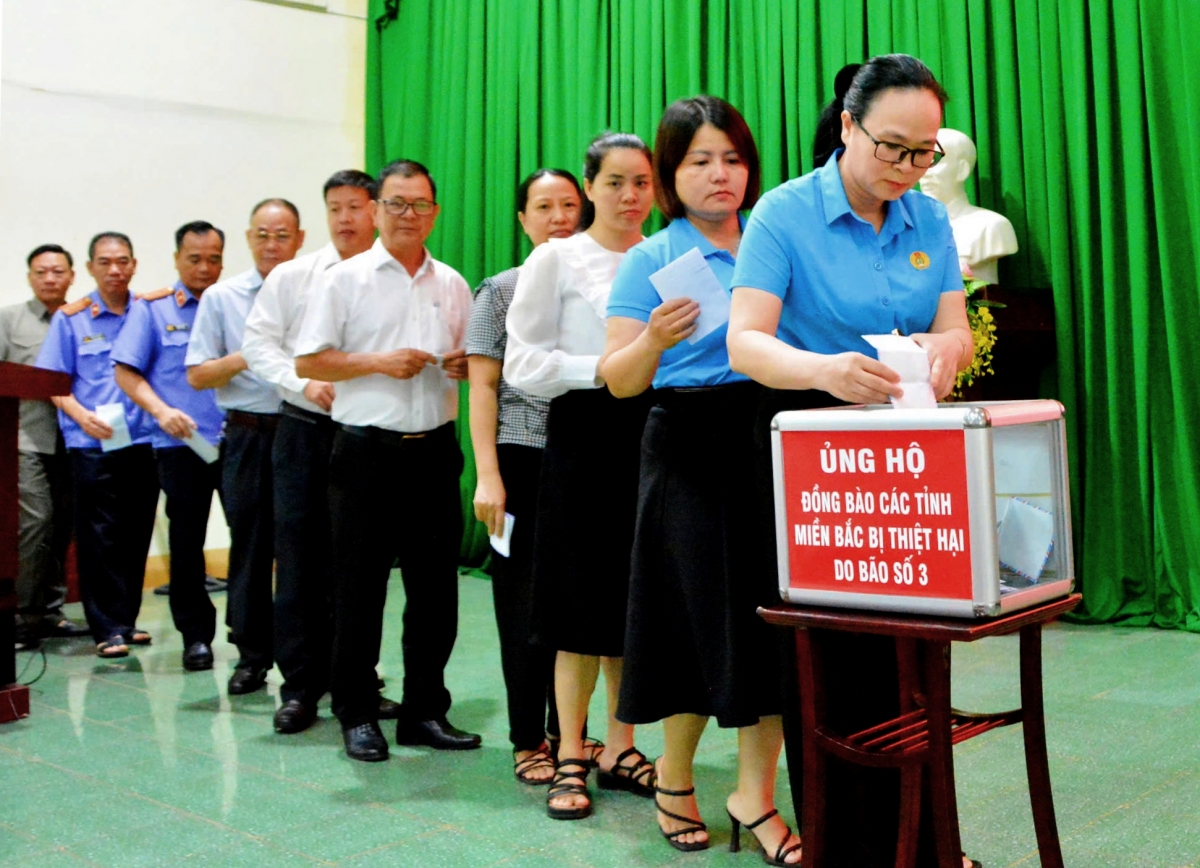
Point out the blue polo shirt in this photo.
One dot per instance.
(80, 344)
(154, 343)
(218, 330)
(837, 277)
(704, 363)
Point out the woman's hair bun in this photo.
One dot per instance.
(843, 80)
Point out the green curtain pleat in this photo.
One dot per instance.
(1086, 115)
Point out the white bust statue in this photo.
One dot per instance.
(982, 236)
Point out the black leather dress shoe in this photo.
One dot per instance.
(365, 743)
(436, 734)
(197, 657)
(246, 679)
(389, 709)
(294, 716)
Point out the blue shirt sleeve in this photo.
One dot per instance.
(762, 260)
(208, 333)
(632, 294)
(952, 280)
(58, 350)
(135, 345)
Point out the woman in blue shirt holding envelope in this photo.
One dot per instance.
(694, 647)
(844, 251)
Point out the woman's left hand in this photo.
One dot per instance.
(945, 351)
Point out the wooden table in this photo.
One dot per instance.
(920, 740)
(17, 382)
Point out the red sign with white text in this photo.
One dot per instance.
(878, 512)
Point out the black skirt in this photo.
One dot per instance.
(694, 643)
(587, 501)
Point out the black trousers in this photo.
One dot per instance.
(188, 484)
(528, 669)
(116, 497)
(394, 499)
(303, 585)
(248, 498)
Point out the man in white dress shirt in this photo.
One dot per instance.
(388, 328)
(214, 361)
(300, 456)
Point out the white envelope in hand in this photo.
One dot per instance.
(690, 276)
(113, 415)
(207, 451)
(908, 359)
(500, 542)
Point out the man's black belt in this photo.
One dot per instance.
(396, 438)
(251, 420)
(310, 416)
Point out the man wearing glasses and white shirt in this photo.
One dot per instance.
(388, 328)
(300, 456)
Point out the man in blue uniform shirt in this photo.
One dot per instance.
(150, 369)
(251, 406)
(116, 486)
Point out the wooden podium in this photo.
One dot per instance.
(16, 382)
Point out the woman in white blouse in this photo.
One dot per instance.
(588, 493)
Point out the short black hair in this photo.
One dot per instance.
(407, 169)
(351, 178)
(275, 200)
(104, 236)
(538, 174)
(48, 248)
(856, 88)
(197, 227)
(675, 133)
(594, 158)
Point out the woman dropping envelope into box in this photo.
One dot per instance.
(694, 645)
(845, 251)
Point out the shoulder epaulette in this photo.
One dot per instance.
(76, 306)
(156, 294)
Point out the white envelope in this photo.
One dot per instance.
(1024, 538)
(501, 543)
(113, 415)
(908, 359)
(207, 451)
(690, 276)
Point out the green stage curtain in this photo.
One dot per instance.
(1086, 114)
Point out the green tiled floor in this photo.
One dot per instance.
(133, 763)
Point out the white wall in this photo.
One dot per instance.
(140, 115)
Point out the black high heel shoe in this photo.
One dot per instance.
(781, 852)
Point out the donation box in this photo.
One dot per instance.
(962, 510)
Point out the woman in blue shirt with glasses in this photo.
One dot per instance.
(846, 250)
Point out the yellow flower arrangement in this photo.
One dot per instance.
(983, 331)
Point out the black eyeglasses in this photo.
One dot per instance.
(890, 152)
(396, 207)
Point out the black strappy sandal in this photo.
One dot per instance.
(539, 759)
(592, 748)
(569, 783)
(781, 852)
(638, 778)
(695, 825)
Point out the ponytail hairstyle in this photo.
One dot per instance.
(595, 155)
(855, 89)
